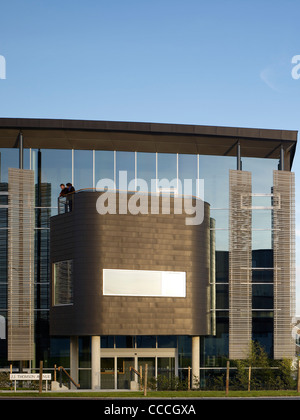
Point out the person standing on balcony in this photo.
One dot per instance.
(63, 191)
(70, 190)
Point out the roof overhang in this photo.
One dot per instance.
(146, 137)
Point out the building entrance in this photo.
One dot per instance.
(123, 372)
(116, 372)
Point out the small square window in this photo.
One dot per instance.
(63, 282)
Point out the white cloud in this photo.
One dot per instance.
(267, 76)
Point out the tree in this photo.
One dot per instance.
(265, 373)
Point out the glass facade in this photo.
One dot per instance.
(84, 168)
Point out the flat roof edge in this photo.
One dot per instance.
(159, 128)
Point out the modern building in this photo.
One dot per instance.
(176, 249)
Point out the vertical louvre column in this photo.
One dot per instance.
(240, 262)
(284, 263)
(20, 264)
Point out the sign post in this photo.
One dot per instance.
(41, 378)
(29, 377)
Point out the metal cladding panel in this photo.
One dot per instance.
(284, 263)
(161, 242)
(20, 264)
(240, 261)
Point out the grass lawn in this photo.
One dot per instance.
(151, 394)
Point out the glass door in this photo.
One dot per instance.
(107, 373)
(123, 372)
(166, 368)
(150, 361)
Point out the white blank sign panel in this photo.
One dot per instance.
(144, 283)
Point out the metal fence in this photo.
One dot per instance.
(210, 379)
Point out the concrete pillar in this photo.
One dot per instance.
(136, 367)
(195, 361)
(74, 360)
(95, 350)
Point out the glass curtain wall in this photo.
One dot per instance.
(146, 171)
(51, 168)
(215, 172)
(104, 165)
(187, 174)
(8, 158)
(125, 171)
(84, 168)
(262, 250)
(143, 169)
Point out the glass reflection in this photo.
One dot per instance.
(167, 166)
(56, 168)
(83, 169)
(262, 258)
(261, 239)
(187, 170)
(262, 276)
(222, 266)
(125, 161)
(261, 219)
(222, 240)
(107, 341)
(9, 158)
(104, 165)
(215, 172)
(222, 296)
(262, 330)
(124, 341)
(221, 217)
(3, 257)
(146, 341)
(262, 296)
(166, 341)
(146, 168)
(262, 173)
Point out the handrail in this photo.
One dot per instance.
(117, 190)
(140, 374)
(71, 379)
(66, 201)
(135, 371)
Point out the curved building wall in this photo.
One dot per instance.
(151, 242)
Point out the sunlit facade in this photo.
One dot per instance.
(247, 261)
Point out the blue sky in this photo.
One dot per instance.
(213, 62)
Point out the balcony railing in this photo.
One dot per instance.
(66, 203)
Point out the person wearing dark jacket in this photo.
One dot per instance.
(63, 191)
(69, 191)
